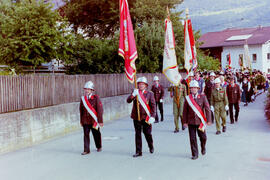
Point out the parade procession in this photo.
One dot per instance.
(135, 90)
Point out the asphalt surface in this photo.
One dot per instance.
(243, 152)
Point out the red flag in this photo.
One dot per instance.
(230, 61)
(127, 47)
(190, 48)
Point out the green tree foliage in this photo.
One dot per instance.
(100, 20)
(95, 55)
(31, 33)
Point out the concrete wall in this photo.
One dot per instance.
(26, 128)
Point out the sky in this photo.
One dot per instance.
(217, 15)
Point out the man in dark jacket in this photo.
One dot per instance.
(196, 115)
(234, 98)
(147, 113)
(158, 91)
(209, 86)
(91, 117)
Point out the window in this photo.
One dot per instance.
(254, 58)
(268, 56)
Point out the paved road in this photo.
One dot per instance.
(243, 152)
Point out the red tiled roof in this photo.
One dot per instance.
(218, 39)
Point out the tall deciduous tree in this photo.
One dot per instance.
(31, 33)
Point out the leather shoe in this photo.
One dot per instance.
(176, 131)
(203, 151)
(156, 122)
(151, 150)
(224, 129)
(183, 128)
(84, 153)
(161, 119)
(137, 155)
(218, 132)
(99, 149)
(194, 157)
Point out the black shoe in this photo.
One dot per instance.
(156, 122)
(183, 128)
(203, 151)
(224, 129)
(232, 122)
(176, 131)
(162, 119)
(151, 150)
(99, 149)
(194, 157)
(84, 153)
(236, 119)
(137, 155)
(218, 132)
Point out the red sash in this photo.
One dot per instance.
(145, 106)
(198, 111)
(91, 111)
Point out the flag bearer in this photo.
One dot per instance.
(178, 94)
(219, 104)
(158, 91)
(196, 115)
(147, 107)
(91, 112)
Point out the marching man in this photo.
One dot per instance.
(91, 117)
(158, 91)
(219, 104)
(196, 116)
(147, 107)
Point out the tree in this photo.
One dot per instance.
(100, 18)
(31, 33)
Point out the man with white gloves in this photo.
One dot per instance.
(219, 104)
(147, 113)
(158, 91)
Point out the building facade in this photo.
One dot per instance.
(231, 42)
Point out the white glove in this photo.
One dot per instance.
(135, 92)
(226, 107)
(161, 100)
(212, 108)
(151, 120)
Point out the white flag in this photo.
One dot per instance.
(246, 59)
(170, 68)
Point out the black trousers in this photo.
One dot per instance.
(160, 107)
(237, 108)
(147, 131)
(192, 129)
(96, 135)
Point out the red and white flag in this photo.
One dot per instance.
(190, 54)
(170, 68)
(127, 47)
(198, 111)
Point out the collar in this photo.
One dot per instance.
(89, 96)
(195, 95)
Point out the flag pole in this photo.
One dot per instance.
(137, 99)
(187, 12)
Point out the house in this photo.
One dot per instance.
(231, 41)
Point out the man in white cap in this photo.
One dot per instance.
(219, 104)
(147, 107)
(158, 91)
(196, 116)
(91, 117)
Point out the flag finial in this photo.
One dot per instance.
(168, 12)
(187, 13)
